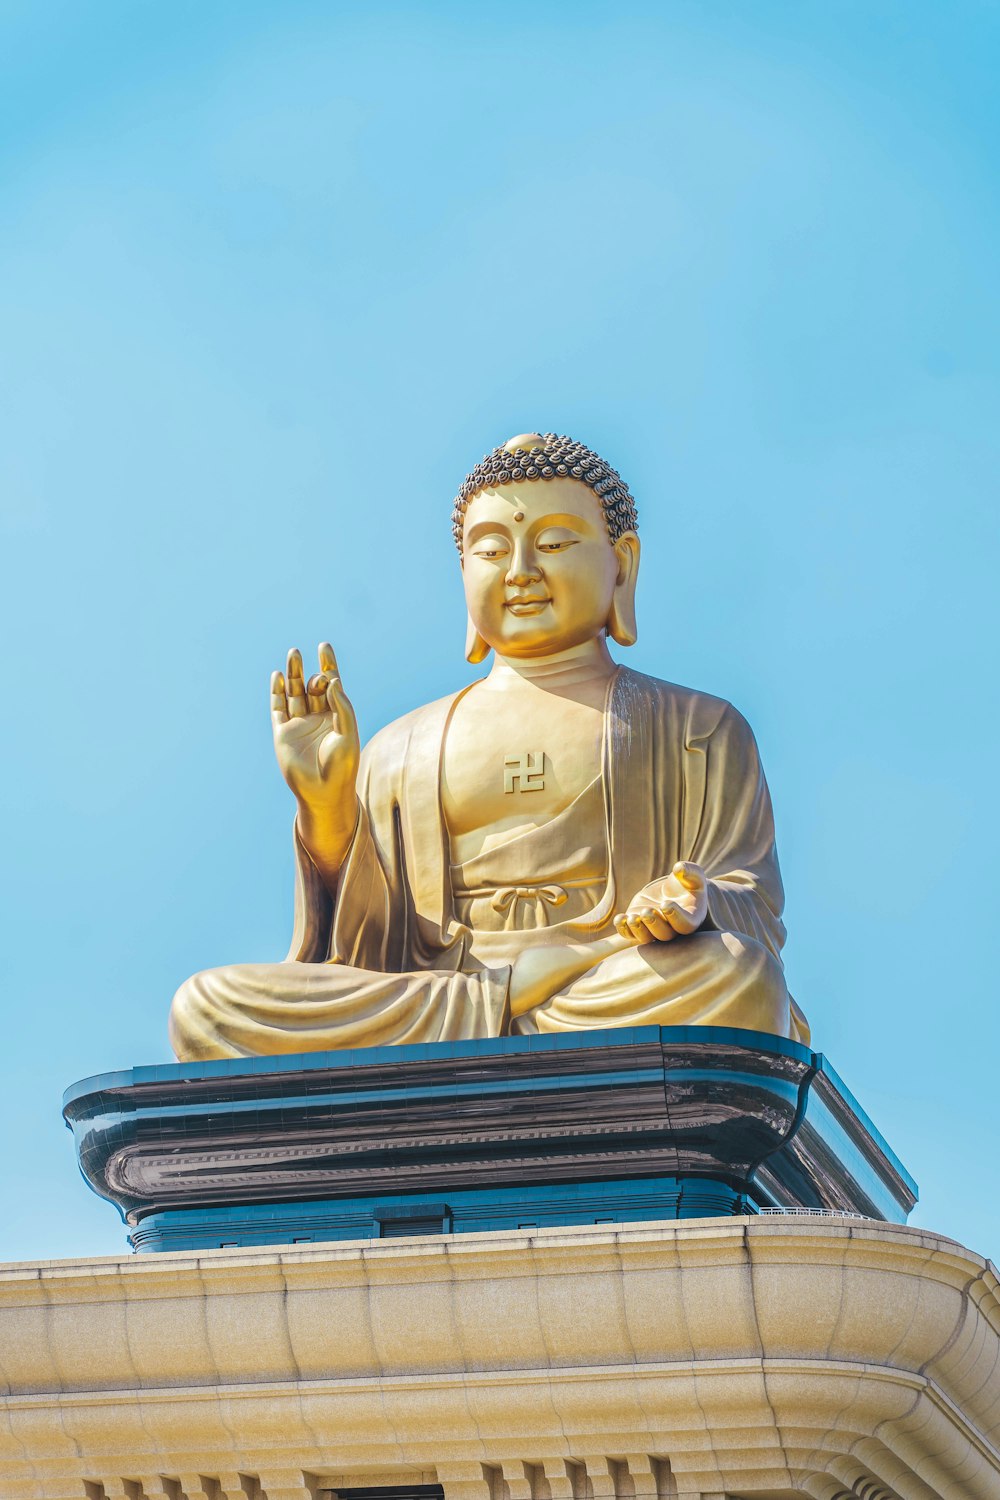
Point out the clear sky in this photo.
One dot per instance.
(273, 276)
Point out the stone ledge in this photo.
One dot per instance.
(750, 1356)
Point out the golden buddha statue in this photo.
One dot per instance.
(564, 844)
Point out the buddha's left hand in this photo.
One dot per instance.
(669, 908)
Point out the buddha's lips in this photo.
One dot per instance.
(524, 606)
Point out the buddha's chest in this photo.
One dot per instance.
(517, 759)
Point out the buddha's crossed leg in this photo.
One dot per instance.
(708, 979)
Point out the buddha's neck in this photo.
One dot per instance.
(591, 661)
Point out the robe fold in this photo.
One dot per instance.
(386, 959)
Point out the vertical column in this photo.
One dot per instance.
(520, 1479)
(159, 1487)
(564, 1479)
(651, 1476)
(469, 1481)
(602, 1477)
(199, 1487)
(634, 1476)
(286, 1484)
(233, 1486)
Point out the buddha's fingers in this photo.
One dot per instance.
(690, 876)
(644, 925)
(649, 925)
(316, 692)
(657, 926)
(328, 660)
(345, 721)
(680, 920)
(296, 688)
(279, 703)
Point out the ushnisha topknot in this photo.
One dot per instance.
(549, 455)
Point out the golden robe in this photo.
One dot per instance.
(394, 955)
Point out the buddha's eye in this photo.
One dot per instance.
(490, 548)
(556, 541)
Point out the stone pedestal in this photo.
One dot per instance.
(765, 1357)
(586, 1127)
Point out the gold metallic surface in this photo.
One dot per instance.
(453, 882)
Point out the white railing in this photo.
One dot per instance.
(816, 1213)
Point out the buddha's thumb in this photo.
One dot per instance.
(339, 703)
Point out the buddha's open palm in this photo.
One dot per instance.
(668, 908)
(316, 736)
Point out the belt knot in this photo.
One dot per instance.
(506, 898)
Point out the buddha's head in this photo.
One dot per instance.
(546, 531)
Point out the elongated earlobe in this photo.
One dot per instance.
(621, 617)
(621, 622)
(476, 649)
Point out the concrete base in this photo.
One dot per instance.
(760, 1357)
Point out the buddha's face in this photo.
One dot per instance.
(539, 568)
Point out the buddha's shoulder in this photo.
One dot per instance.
(701, 713)
(396, 738)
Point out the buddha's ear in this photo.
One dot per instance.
(476, 649)
(621, 619)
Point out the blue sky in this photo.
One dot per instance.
(272, 277)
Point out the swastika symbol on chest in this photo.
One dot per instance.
(525, 772)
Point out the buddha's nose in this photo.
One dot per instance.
(523, 567)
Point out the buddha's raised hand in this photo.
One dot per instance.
(317, 745)
(668, 908)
